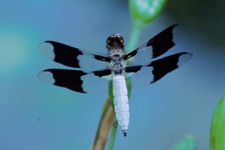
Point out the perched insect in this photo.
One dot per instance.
(96, 69)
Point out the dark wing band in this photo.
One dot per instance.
(77, 80)
(151, 72)
(72, 57)
(156, 46)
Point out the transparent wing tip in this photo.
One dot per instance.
(46, 76)
(184, 58)
(47, 49)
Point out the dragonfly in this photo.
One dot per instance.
(92, 70)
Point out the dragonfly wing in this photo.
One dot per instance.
(73, 57)
(94, 82)
(156, 46)
(151, 72)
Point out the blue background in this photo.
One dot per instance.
(38, 116)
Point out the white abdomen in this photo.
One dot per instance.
(121, 102)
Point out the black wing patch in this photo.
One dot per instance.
(72, 57)
(151, 72)
(156, 46)
(77, 80)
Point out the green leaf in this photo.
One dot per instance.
(188, 143)
(144, 11)
(217, 133)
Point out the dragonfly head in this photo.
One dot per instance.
(114, 41)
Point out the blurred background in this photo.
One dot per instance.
(38, 116)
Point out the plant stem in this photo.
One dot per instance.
(114, 126)
(134, 37)
(133, 41)
(113, 134)
(104, 126)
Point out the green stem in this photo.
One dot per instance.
(113, 125)
(134, 37)
(133, 41)
(113, 134)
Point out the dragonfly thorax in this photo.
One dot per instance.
(117, 64)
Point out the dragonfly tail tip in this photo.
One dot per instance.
(124, 133)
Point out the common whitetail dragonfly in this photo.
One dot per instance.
(95, 69)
